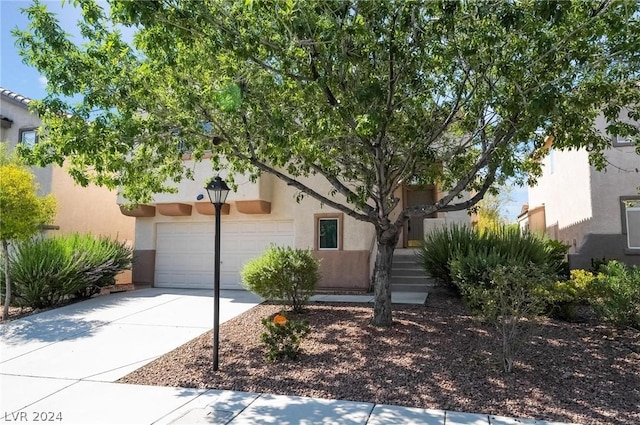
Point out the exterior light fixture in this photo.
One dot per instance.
(218, 191)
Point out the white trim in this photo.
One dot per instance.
(636, 210)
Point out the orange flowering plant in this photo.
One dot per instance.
(282, 337)
(279, 319)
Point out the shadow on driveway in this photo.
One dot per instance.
(49, 329)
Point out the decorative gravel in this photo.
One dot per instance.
(435, 356)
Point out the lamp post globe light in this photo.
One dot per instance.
(218, 191)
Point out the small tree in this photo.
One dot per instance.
(23, 212)
(490, 208)
(515, 293)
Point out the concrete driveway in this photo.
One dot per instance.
(59, 361)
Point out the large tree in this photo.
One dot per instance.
(366, 95)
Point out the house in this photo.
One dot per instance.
(89, 209)
(596, 213)
(175, 233)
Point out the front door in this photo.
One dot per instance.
(414, 227)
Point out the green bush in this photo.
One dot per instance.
(616, 295)
(556, 253)
(474, 268)
(42, 273)
(47, 271)
(441, 246)
(283, 274)
(101, 260)
(512, 295)
(475, 253)
(283, 336)
(564, 296)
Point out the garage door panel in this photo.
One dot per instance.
(185, 258)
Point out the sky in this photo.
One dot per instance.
(27, 81)
(14, 75)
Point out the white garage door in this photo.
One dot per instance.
(184, 251)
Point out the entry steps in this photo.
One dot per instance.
(407, 275)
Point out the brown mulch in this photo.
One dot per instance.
(435, 356)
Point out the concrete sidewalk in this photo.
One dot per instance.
(60, 366)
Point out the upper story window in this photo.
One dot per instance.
(28, 137)
(619, 141)
(328, 231)
(626, 124)
(631, 221)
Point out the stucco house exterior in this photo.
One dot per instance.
(596, 213)
(175, 233)
(89, 209)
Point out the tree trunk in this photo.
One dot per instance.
(7, 280)
(387, 241)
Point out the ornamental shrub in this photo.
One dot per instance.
(512, 296)
(617, 294)
(475, 253)
(564, 296)
(283, 274)
(283, 336)
(441, 246)
(47, 271)
(101, 259)
(43, 274)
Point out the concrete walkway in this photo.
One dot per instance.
(60, 366)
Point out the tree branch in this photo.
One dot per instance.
(340, 187)
(443, 204)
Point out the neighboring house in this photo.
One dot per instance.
(89, 209)
(175, 233)
(596, 213)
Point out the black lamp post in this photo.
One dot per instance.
(218, 191)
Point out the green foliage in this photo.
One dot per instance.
(565, 295)
(7, 156)
(294, 93)
(364, 96)
(441, 246)
(489, 209)
(101, 259)
(283, 274)
(556, 252)
(47, 271)
(23, 212)
(461, 254)
(617, 294)
(283, 336)
(42, 273)
(598, 263)
(512, 295)
(476, 267)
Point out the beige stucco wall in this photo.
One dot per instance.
(23, 120)
(90, 209)
(357, 235)
(578, 199)
(619, 179)
(78, 209)
(571, 174)
(347, 268)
